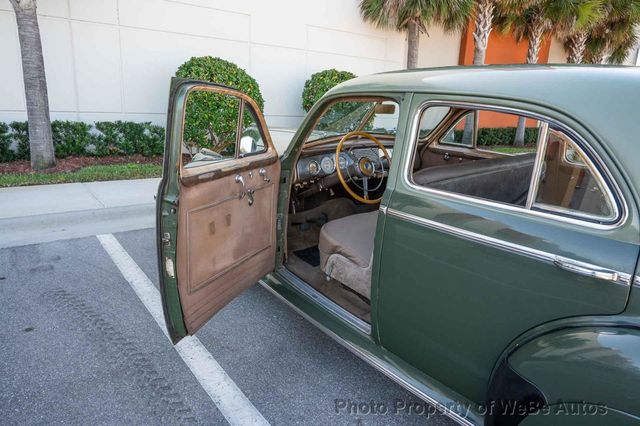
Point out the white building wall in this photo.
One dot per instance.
(113, 59)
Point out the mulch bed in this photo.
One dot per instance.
(72, 164)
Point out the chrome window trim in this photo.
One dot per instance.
(541, 150)
(326, 303)
(391, 371)
(618, 201)
(621, 278)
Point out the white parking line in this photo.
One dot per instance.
(232, 403)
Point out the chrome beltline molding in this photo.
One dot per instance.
(616, 276)
(386, 369)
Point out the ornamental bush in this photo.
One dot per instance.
(211, 119)
(320, 83)
(80, 139)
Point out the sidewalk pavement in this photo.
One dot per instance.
(36, 214)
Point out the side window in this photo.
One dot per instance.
(497, 132)
(513, 159)
(218, 127)
(568, 181)
(210, 127)
(487, 166)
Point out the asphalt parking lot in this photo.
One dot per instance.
(79, 346)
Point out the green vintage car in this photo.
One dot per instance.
(473, 233)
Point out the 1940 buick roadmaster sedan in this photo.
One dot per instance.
(495, 280)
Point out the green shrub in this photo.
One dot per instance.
(127, 138)
(490, 136)
(70, 137)
(20, 134)
(320, 83)
(6, 153)
(211, 118)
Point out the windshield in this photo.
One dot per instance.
(378, 117)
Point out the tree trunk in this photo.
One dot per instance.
(484, 22)
(536, 34)
(577, 44)
(413, 42)
(35, 85)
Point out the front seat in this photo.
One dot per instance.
(346, 250)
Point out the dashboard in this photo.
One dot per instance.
(323, 165)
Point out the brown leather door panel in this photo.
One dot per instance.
(224, 244)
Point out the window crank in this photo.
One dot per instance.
(263, 173)
(244, 191)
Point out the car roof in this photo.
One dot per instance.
(603, 99)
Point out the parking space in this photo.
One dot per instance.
(79, 346)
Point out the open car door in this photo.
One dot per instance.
(216, 204)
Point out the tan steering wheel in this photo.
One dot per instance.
(364, 166)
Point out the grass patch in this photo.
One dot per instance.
(85, 174)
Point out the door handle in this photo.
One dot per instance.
(586, 269)
(240, 180)
(263, 173)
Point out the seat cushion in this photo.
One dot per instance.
(505, 179)
(346, 250)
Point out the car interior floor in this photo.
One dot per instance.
(303, 255)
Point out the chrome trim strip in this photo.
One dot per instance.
(599, 272)
(328, 304)
(622, 210)
(637, 280)
(537, 167)
(385, 368)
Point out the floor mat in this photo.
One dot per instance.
(310, 255)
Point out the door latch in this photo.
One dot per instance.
(166, 239)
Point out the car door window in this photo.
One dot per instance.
(569, 182)
(492, 167)
(547, 171)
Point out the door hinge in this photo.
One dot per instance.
(279, 222)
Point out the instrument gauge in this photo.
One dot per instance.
(343, 162)
(313, 167)
(327, 165)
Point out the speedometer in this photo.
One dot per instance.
(327, 165)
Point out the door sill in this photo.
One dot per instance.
(318, 298)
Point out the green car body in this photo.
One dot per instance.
(469, 309)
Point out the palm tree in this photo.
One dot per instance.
(534, 20)
(413, 16)
(576, 29)
(35, 85)
(612, 37)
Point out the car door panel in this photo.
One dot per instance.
(216, 211)
(223, 246)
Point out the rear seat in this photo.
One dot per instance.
(504, 179)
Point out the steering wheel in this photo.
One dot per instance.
(364, 167)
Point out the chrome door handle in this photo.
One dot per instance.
(240, 180)
(586, 269)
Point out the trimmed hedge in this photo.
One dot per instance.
(77, 138)
(320, 83)
(502, 136)
(210, 118)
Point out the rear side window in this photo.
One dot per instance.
(512, 159)
(569, 182)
